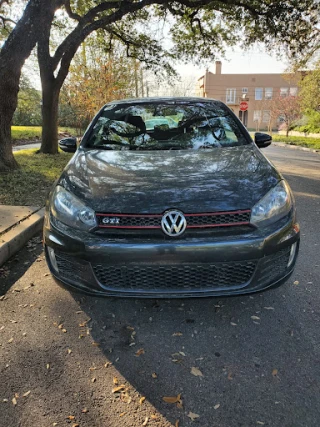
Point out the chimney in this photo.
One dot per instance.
(218, 67)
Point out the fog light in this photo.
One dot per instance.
(292, 254)
(53, 259)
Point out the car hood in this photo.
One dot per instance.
(154, 181)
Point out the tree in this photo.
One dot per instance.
(310, 88)
(16, 49)
(199, 29)
(28, 112)
(288, 108)
(94, 79)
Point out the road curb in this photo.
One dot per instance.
(295, 147)
(17, 237)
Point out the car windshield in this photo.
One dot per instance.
(165, 126)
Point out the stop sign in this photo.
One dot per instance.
(243, 106)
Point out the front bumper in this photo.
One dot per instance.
(193, 267)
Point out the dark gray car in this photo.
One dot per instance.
(170, 197)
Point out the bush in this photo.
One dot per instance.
(302, 141)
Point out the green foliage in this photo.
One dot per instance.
(28, 112)
(310, 89)
(31, 183)
(312, 124)
(34, 132)
(313, 143)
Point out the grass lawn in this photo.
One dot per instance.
(313, 143)
(29, 132)
(31, 184)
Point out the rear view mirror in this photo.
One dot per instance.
(69, 145)
(262, 140)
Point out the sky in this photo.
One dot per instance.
(238, 62)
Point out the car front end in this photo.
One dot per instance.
(163, 223)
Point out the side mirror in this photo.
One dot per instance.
(262, 140)
(69, 145)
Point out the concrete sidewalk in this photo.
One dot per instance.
(17, 225)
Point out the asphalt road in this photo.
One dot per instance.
(60, 352)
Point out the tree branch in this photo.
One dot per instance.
(69, 11)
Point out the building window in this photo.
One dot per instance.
(244, 90)
(293, 91)
(268, 92)
(231, 96)
(284, 92)
(257, 115)
(266, 116)
(259, 94)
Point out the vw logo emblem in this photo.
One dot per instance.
(173, 223)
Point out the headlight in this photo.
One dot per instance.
(71, 211)
(274, 205)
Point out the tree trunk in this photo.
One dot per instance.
(50, 107)
(13, 54)
(9, 87)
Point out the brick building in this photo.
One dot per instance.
(258, 90)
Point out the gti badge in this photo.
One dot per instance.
(111, 221)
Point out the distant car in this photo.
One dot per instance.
(157, 211)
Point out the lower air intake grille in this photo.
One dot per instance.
(175, 277)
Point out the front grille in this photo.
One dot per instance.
(175, 277)
(214, 219)
(72, 268)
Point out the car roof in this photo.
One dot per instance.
(167, 99)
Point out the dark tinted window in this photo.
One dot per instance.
(166, 126)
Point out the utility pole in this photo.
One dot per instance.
(136, 77)
(141, 81)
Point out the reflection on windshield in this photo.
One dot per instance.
(154, 126)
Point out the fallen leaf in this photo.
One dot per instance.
(26, 393)
(182, 353)
(176, 424)
(145, 421)
(71, 417)
(196, 372)
(78, 312)
(14, 401)
(118, 389)
(193, 416)
(75, 425)
(69, 351)
(5, 400)
(94, 380)
(107, 364)
(217, 406)
(64, 331)
(179, 404)
(142, 399)
(260, 423)
(139, 352)
(173, 399)
(296, 282)
(10, 340)
(154, 375)
(268, 308)
(115, 381)
(230, 377)
(122, 414)
(130, 328)
(55, 424)
(177, 334)
(255, 318)
(275, 372)
(125, 397)
(60, 326)
(85, 410)
(13, 321)
(95, 343)
(233, 324)
(48, 366)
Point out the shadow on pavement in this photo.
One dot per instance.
(17, 265)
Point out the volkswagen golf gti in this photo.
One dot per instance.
(170, 197)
